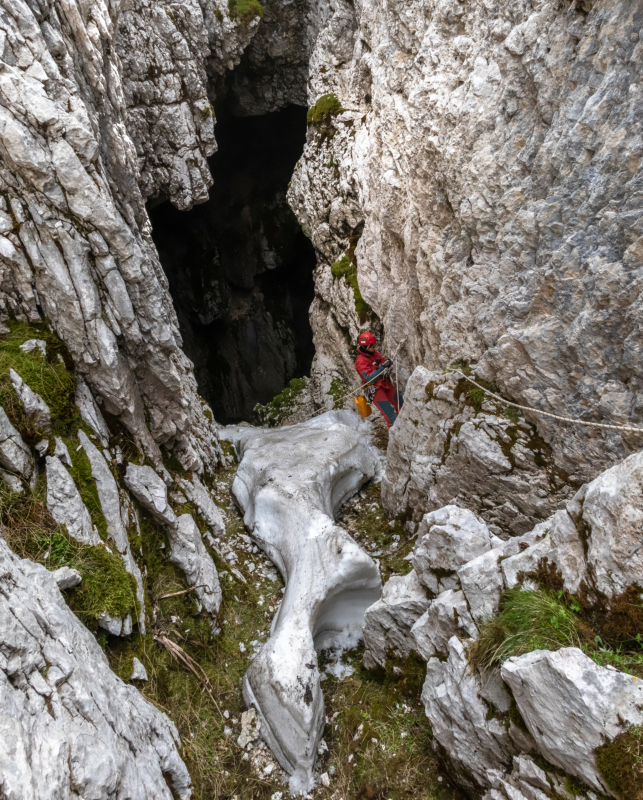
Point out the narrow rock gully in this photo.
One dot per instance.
(294, 703)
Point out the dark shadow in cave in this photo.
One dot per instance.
(240, 268)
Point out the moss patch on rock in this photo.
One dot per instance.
(281, 406)
(346, 268)
(326, 107)
(621, 763)
(245, 11)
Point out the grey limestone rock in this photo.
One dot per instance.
(151, 492)
(447, 616)
(199, 495)
(66, 505)
(35, 407)
(189, 554)
(388, 623)
(139, 673)
(68, 725)
(90, 412)
(598, 702)
(441, 451)
(474, 741)
(61, 452)
(67, 578)
(14, 453)
(109, 497)
(447, 539)
(117, 626)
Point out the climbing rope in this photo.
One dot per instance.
(546, 413)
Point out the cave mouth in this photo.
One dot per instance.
(239, 267)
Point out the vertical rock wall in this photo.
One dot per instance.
(489, 153)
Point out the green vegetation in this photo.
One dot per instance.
(370, 526)
(621, 763)
(528, 620)
(346, 268)
(81, 472)
(326, 107)
(282, 406)
(50, 376)
(337, 391)
(245, 10)
(31, 532)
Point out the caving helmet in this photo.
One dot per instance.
(366, 339)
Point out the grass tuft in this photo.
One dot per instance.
(528, 620)
(51, 376)
(281, 406)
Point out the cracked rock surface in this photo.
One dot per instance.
(69, 726)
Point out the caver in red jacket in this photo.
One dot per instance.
(387, 398)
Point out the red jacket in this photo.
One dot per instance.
(366, 364)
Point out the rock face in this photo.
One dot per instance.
(14, 453)
(444, 450)
(290, 500)
(599, 704)
(75, 240)
(487, 162)
(68, 725)
(66, 505)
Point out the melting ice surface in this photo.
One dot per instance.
(290, 484)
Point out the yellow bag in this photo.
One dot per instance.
(363, 407)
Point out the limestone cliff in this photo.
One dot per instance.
(488, 157)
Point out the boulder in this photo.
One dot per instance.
(66, 505)
(447, 616)
(35, 407)
(597, 703)
(388, 622)
(117, 626)
(66, 577)
(15, 455)
(447, 539)
(90, 412)
(151, 492)
(139, 673)
(482, 583)
(61, 452)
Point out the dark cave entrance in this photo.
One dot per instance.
(240, 268)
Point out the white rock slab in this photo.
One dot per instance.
(139, 673)
(61, 452)
(90, 412)
(66, 577)
(15, 455)
(291, 482)
(33, 404)
(187, 550)
(458, 718)
(69, 727)
(199, 495)
(66, 505)
(597, 703)
(389, 621)
(34, 344)
(109, 497)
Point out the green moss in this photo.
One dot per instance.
(218, 14)
(346, 268)
(208, 111)
(337, 391)
(245, 10)
(281, 406)
(326, 107)
(81, 472)
(50, 376)
(621, 764)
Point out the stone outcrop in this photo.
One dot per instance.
(486, 168)
(66, 505)
(289, 501)
(14, 453)
(68, 725)
(443, 449)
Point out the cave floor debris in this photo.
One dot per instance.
(362, 707)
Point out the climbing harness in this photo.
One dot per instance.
(546, 413)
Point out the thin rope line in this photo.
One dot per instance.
(546, 413)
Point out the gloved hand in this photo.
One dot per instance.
(388, 363)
